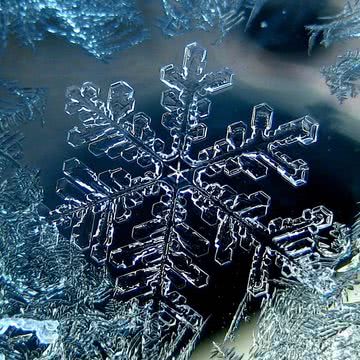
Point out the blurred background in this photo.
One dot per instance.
(271, 64)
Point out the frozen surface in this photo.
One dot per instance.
(100, 27)
(45, 330)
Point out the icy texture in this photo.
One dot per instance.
(224, 353)
(299, 324)
(17, 106)
(189, 208)
(100, 27)
(45, 280)
(344, 26)
(186, 15)
(45, 330)
(342, 78)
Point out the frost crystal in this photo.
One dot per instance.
(343, 26)
(45, 330)
(184, 203)
(17, 106)
(222, 353)
(100, 27)
(53, 303)
(186, 15)
(341, 77)
(299, 324)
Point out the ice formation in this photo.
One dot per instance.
(100, 27)
(156, 227)
(45, 330)
(343, 26)
(17, 106)
(53, 302)
(298, 322)
(186, 15)
(343, 76)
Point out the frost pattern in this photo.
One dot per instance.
(165, 252)
(299, 324)
(186, 15)
(225, 353)
(100, 27)
(53, 303)
(46, 331)
(344, 26)
(341, 77)
(18, 106)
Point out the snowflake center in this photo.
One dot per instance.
(178, 172)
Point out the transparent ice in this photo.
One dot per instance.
(221, 352)
(187, 15)
(193, 211)
(299, 322)
(100, 27)
(343, 26)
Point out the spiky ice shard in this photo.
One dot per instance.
(100, 27)
(156, 228)
(187, 15)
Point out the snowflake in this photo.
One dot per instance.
(183, 201)
(186, 15)
(99, 27)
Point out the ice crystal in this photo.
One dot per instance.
(344, 26)
(100, 27)
(341, 77)
(186, 15)
(299, 324)
(53, 302)
(45, 330)
(225, 353)
(162, 249)
(17, 106)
